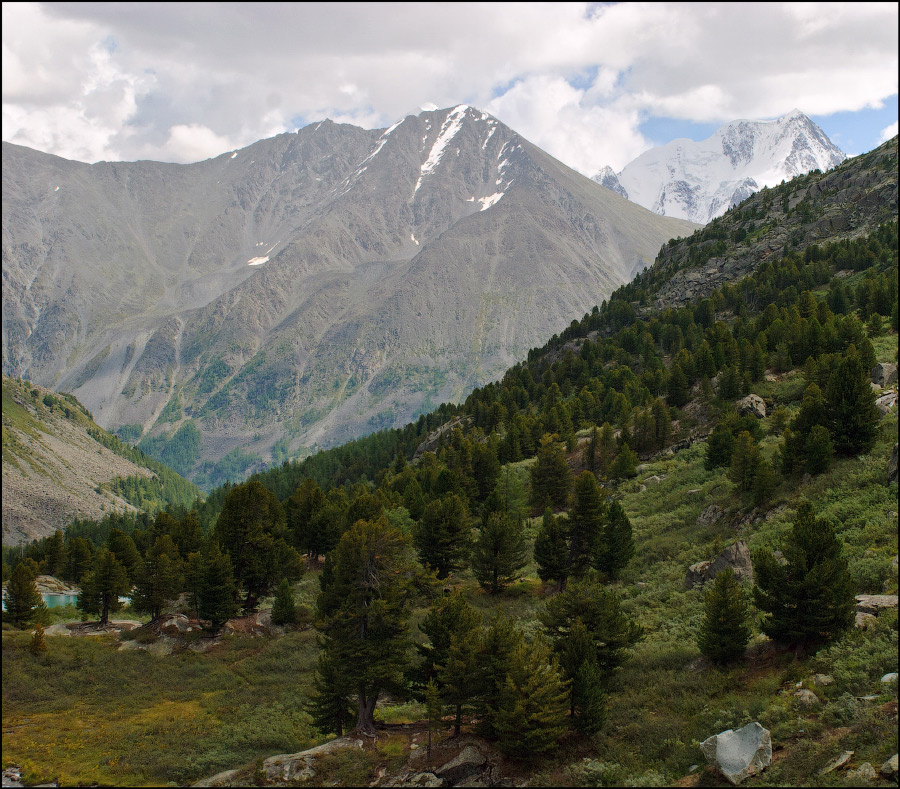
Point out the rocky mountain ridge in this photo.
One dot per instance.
(699, 181)
(58, 464)
(309, 288)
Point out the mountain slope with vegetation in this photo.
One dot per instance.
(522, 568)
(59, 465)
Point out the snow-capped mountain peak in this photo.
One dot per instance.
(701, 180)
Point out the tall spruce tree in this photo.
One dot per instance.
(158, 578)
(22, 597)
(252, 529)
(102, 586)
(724, 631)
(851, 406)
(551, 550)
(616, 546)
(442, 536)
(363, 607)
(810, 599)
(530, 716)
(586, 521)
(551, 479)
(500, 552)
(495, 646)
(216, 588)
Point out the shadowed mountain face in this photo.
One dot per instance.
(311, 287)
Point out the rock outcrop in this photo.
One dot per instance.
(736, 556)
(892, 466)
(752, 404)
(884, 374)
(741, 753)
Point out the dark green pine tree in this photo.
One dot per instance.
(489, 678)
(363, 609)
(22, 597)
(216, 588)
(551, 550)
(252, 530)
(810, 599)
(124, 549)
(158, 579)
(586, 521)
(851, 406)
(500, 552)
(724, 631)
(448, 616)
(434, 710)
(616, 546)
(284, 612)
(611, 631)
(679, 390)
(818, 450)
(302, 510)
(442, 536)
(330, 704)
(531, 714)
(591, 449)
(589, 698)
(455, 672)
(719, 447)
(102, 586)
(55, 559)
(551, 479)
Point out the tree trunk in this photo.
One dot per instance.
(365, 724)
(104, 611)
(458, 722)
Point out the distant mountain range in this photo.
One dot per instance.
(699, 181)
(307, 289)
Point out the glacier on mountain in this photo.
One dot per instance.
(699, 181)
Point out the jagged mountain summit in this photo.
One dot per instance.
(699, 181)
(309, 288)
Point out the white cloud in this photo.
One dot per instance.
(98, 80)
(890, 131)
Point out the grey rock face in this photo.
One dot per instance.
(889, 768)
(736, 556)
(886, 403)
(837, 762)
(873, 603)
(741, 753)
(752, 404)
(892, 466)
(806, 698)
(710, 515)
(884, 374)
(312, 287)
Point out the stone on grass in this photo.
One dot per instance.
(837, 762)
(865, 772)
(888, 678)
(741, 753)
(806, 698)
(889, 768)
(736, 556)
(752, 404)
(823, 679)
(865, 621)
(885, 404)
(468, 763)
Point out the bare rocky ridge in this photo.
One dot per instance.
(314, 286)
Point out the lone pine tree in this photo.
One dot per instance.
(808, 600)
(363, 606)
(724, 632)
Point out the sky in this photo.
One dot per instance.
(593, 84)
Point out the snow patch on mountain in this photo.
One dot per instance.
(699, 181)
(452, 125)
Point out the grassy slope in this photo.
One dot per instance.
(87, 713)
